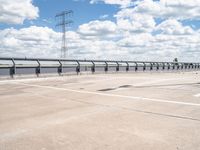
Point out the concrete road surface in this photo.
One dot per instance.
(139, 111)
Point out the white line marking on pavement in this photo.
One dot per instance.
(197, 95)
(112, 95)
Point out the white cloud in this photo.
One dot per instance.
(137, 40)
(177, 9)
(163, 46)
(173, 27)
(122, 3)
(32, 41)
(137, 37)
(16, 11)
(104, 16)
(97, 29)
(134, 22)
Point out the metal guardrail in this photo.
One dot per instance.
(92, 64)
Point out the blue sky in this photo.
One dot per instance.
(130, 29)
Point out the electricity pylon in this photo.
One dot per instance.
(63, 23)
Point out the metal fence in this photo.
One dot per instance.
(14, 66)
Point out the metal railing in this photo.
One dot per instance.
(13, 64)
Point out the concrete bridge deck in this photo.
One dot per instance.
(158, 111)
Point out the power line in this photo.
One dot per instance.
(63, 22)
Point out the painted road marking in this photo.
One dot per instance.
(112, 95)
(197, 95)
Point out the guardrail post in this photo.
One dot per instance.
(106, 67)
(151, 66)
(93, 67)
(144, 66)
(13, 68)
(127, 67)
(168, 66)
(117, 68)
(173, 67)
(38, 68)
(181, 66)
(136, 66)
(60, 68)
(189, 66)
(163, 67)
(157, 66)
(78, 67)
(178, 67)
(185, 66)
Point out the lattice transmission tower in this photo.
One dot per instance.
(64, 22)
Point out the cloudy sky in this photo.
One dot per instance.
(102, 29)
